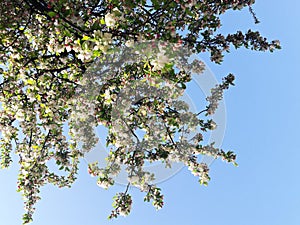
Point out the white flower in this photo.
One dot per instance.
(190, 3)
(85, 55)
(97, 34)
(104, 185)
(69, 48)
(20, 115)
(124, 211)
(105, 182)
(160, 61)
(110, 20)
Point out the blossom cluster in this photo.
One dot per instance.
(63, 68)
(217, 94)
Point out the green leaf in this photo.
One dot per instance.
(51, 14)
(85, 38)
(31, 81)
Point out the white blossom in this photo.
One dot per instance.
(111, 18)
(160, 61)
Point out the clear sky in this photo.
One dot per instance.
(262, 127)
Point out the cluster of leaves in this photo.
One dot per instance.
(46, 50)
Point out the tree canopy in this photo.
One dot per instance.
(64, 67)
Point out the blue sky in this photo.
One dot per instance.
(262, 127)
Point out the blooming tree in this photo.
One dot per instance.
(64, 63)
